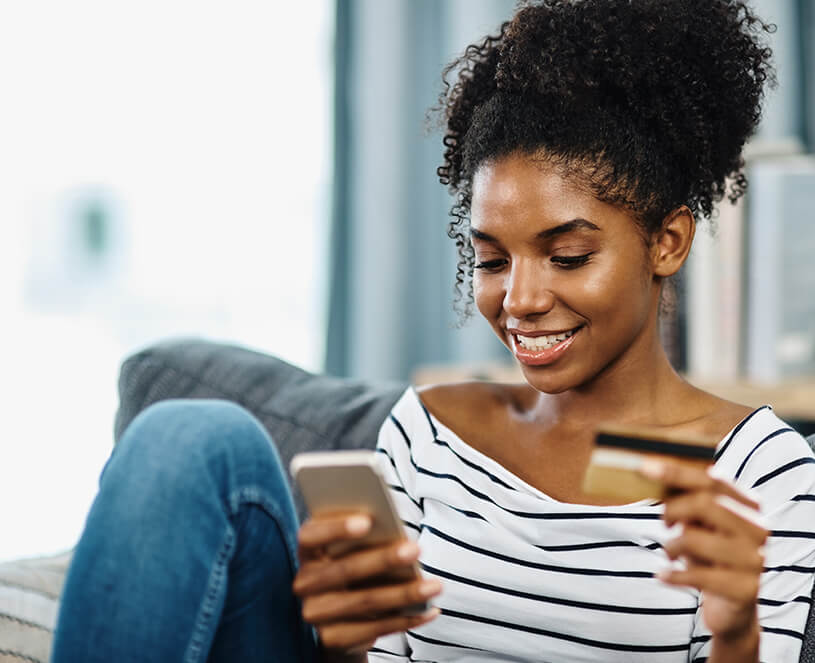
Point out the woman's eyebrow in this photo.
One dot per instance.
(477, 234)
(567, 227)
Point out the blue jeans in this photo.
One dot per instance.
(189, 550)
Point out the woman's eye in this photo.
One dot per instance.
(491, 265)
(570, 262)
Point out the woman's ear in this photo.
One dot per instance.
(670, 245)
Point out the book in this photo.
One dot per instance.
(780, 299)
(715, 293)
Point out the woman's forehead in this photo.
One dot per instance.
(526, 196)
(515, 183)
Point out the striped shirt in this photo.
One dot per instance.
(528, 578)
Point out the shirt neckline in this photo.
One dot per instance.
(510, 477)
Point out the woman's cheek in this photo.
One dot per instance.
(486, 293)
(609, 289)
(603, 290)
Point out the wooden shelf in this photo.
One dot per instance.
(790, 398)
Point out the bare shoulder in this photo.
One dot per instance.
(469, 406)
(718, 416)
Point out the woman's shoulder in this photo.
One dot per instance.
(453, 395)
(755, 444)
(470, 410)
(704, 414)
(473, 409)
(723, 416)
(761, 425)
(738, 428)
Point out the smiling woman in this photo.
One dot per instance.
(581, 142)
(548, 279)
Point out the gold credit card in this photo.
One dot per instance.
(613, 470)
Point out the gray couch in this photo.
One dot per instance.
(301, 411)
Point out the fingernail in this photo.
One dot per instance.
(742, 510)
(714, 472)
(652, 469)
(407, 551)
(753, 494)
(663, 574)
(358, 524)
(429, 588)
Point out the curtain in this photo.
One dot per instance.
(783, 119)
(807, 26)
(393, 266)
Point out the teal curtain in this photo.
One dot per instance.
(393, 268)
(784, 111)
(807, 40)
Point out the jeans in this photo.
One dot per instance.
(189, 550)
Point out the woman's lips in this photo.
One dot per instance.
(541, 357)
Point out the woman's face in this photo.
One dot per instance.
(563, 278)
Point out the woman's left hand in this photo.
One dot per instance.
(721, 543)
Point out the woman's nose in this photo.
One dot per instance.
(526, 292)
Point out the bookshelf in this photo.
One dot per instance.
(749, 285)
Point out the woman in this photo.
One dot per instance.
(581, 142)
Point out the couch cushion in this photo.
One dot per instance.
(301, 411)
(29, 591)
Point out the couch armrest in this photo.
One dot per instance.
(29, 595)
(302, 411)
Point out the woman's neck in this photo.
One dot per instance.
(639, 388)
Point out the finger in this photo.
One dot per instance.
(746, 513)
(321, 531)
(352, 634)
(680, 477)
(703, 547)
(332, 574)
(333, 606)
(738, 586)
(712, 511)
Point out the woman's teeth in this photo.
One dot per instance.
(542, 342)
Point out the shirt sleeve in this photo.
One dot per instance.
(780, 473)
(394, 448)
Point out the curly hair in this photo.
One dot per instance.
(646, 103)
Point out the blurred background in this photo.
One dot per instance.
(261, 173)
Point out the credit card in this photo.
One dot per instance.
(619, 453)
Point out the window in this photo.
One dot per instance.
(165, 172)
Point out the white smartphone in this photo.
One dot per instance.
(337, 482)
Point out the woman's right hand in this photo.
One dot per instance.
(348, 618)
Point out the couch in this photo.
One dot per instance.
(338, 414)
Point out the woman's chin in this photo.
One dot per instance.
(546, 384)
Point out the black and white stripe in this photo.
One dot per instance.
(528, 578)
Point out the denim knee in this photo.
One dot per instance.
(193, 522)
(184, 447)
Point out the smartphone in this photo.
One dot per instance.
(340, 482)
(618, 455)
